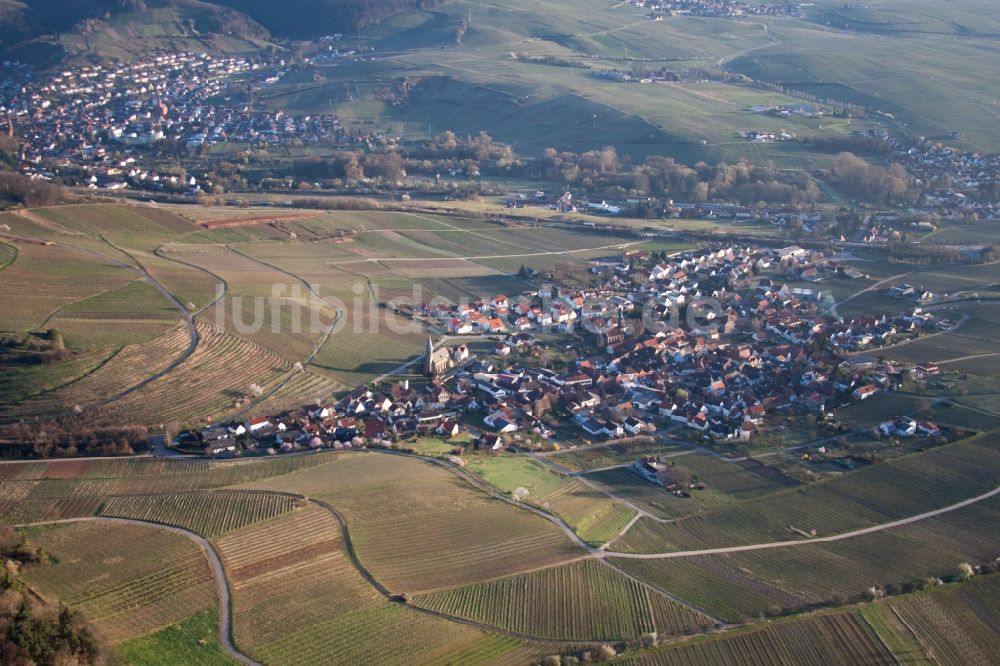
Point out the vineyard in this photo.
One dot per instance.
(128, 580)
(737, 585)
(875, 494)
(208, 383)
(820, 641)
(293, 569)
(958, 624)
(208, 514)
(583, 600)
(713, 585)
(126, 368)
(54, 277)
(102, 219)
(73, 489)
(595, 517)
(440, 531)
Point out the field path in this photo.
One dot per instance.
(222, 585)
(187, 318)
(836, 537)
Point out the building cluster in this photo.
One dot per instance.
(661, 8)
(951, 176)
(764, 347)
(101, 117)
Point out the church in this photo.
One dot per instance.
(437, 361)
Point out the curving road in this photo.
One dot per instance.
(804, 542)
(222, 585)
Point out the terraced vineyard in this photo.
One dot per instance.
(294, 566)
(205, 385)
(129, 366)
(77, 488)
(875, 494)
(208, 514)
(129, 580)
(583, 600)
(827, 639)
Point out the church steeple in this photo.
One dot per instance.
(429, 358)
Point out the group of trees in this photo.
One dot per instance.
(17, 189)
(33, 632)
(51, 439)
(867, 182)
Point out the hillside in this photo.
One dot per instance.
(45, 31)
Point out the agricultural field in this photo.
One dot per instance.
(839, 638)
(583, 600)
(207, 514)
(295, 566)
(194, 640)
(129, 580)
(593, 515)
(877, 493)
(464, 535)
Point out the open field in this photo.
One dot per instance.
(581, 600)
(194, 640)
(625, 453)
(129, 580)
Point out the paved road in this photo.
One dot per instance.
(225, 607)
(803, 542)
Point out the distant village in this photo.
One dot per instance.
(658, 9)
(108, 126)
(766, 348)
(100, 118)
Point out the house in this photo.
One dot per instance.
(634, 426)
(865, 392)
(649, 469)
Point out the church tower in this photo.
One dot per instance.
(429, 358)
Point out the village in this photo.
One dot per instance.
(559, 367)
(99, 119)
